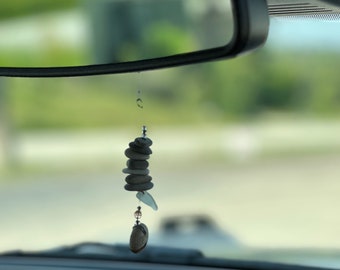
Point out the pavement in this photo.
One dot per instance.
(278, 201)
(239, 142)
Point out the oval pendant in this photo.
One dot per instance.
(139, 238)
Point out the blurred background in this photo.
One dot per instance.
(250, 145)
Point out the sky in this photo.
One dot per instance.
(304, 34)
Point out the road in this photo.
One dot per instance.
(285, 202)
(269, 185)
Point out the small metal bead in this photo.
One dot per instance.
(138, 214)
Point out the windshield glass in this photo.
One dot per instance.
(244, 164)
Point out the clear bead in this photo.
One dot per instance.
(138, 214)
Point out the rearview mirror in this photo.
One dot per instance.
(48, 38)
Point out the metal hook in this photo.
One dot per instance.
(139, 102)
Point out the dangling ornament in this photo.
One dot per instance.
(139, 180)
(140, 234)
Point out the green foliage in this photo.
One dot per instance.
(242, 88)
(175, 41)
(245, 87)
(154, 43)
(17, 8)
(267, 81)
(95, 102)
(53, 54)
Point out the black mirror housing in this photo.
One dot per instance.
(251, 20)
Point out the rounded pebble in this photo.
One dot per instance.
(142, 150)
(134, 155)
(137, 164)
(143, 142)
(139, 238)
(133, 179)
(137, 172)
(141, 187)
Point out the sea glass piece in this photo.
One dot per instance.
(146, 198)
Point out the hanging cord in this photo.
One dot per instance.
(140, 104)
(139, 100)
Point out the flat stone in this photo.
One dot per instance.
(141, 187)
(137, 164)
(142, 150)
(143, 142)
(133, 179)
(138, 172)
(134, 155)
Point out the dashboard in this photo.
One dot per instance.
(39, 263)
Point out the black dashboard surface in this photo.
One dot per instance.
(36, 263)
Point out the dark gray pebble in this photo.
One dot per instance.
(138, 172)
(134, 155)
(139, 238)
(143, 142)
(133, 179)
(137, 164)
(141, 187)
(142, 150)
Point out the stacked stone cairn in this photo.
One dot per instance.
(139, 152)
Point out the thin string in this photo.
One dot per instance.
(140, 102)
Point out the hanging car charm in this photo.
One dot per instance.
(139, 236)
(139, 180)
